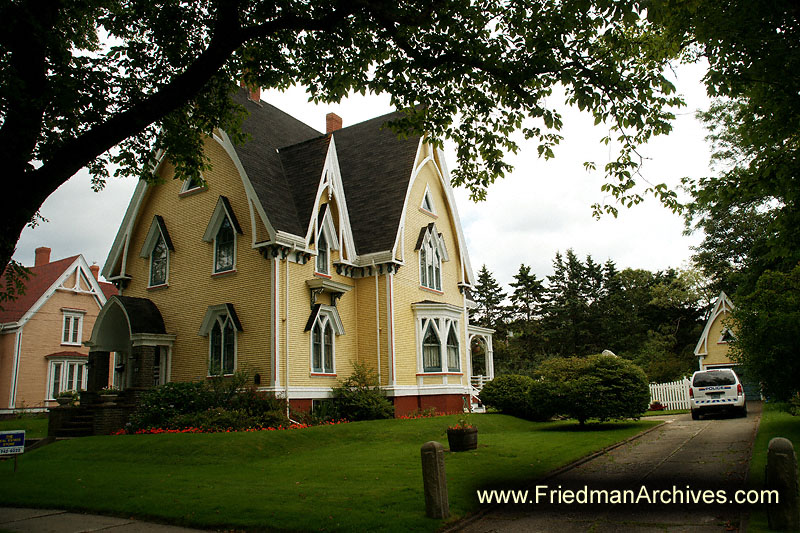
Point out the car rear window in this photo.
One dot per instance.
(709, 379)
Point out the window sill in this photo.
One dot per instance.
(192, 192)
(423, 374)
(429, 213)
(217, 376)
(434, 291)
(322, 375)
(156, 287)
(71, 344)
(321, 275)
(223, 273)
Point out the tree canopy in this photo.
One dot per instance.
(86, 83)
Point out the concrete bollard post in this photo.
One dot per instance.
(781, 475)
(434, 480)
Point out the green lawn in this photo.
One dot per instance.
(666, 412)
(35, 426)
(774, 423)
(358, 476)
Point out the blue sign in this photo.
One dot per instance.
(12, 442)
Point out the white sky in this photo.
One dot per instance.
(541, 207)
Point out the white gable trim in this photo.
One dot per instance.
(79, 266)
(331, 179)
(255, 204)
(721, 306)
(436, 159)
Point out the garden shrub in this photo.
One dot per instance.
(540, 401)
(217, 403)
(508, 393)
(602, 387)
(359, 397)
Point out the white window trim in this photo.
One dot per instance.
(219, 314)
(233, 264)
(448, 315)
(329, 315)
(72, 315)
(222, 319)
(427, 196)
(434, 246)
(328, 228)
(186, 190)
(150, 273)
(64, 374)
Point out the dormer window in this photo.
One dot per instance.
(222, 231)
(156, 249)
(326, 239)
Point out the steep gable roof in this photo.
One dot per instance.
(41, 278)
(376, 167)
(302, 165)
(270, 128)
(723, 305)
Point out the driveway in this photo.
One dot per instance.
(682, 457)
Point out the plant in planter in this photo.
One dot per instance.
(109, 394)
(67, 398)
(463, 436)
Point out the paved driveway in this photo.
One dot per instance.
(705, 455)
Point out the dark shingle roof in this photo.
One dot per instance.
(143, 315)
(376, 167)
(270, 128)
(302, 165)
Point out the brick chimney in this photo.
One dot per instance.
(42, 256)
(95, 271)
(255, 92)
(333, 122)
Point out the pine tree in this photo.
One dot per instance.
(489, 297)
(526, 299)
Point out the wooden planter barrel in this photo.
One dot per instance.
(461, 440)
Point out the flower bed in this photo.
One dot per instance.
(158, 431)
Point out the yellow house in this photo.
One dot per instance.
(301, 254)
(42, 330)
(712, 348)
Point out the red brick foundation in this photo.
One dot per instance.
(443, 403)
(303, 405)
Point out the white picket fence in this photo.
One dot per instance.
(674, 395)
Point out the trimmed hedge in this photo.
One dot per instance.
(601, 387)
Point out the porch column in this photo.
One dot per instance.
(143, 360)
(98, 371)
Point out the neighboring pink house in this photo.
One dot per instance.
(42, 331)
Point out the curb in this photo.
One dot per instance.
(460, 524)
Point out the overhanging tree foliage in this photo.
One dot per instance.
(80, 77)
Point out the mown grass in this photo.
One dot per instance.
(774, 423)
(666, 412)
(358, 476)
(35, 426)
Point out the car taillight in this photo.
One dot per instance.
(691, 392)
(739, 389)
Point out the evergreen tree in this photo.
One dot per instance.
(527, 295)
(489, 297)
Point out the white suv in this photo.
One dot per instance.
(716, 390)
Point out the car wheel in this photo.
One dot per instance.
(695, 415)
(743, 411)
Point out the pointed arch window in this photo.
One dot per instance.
(158, 263)
(324, 324)
(156, 249)
(453, 359)
(431, 348)
(222, 231)
(432, 253)
(322, 254)
(224, 247)
(221, 325)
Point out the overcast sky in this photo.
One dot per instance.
(542, 207)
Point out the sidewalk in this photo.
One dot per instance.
(55, 521)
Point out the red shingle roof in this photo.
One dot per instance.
(40, 279)
(108, 289)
